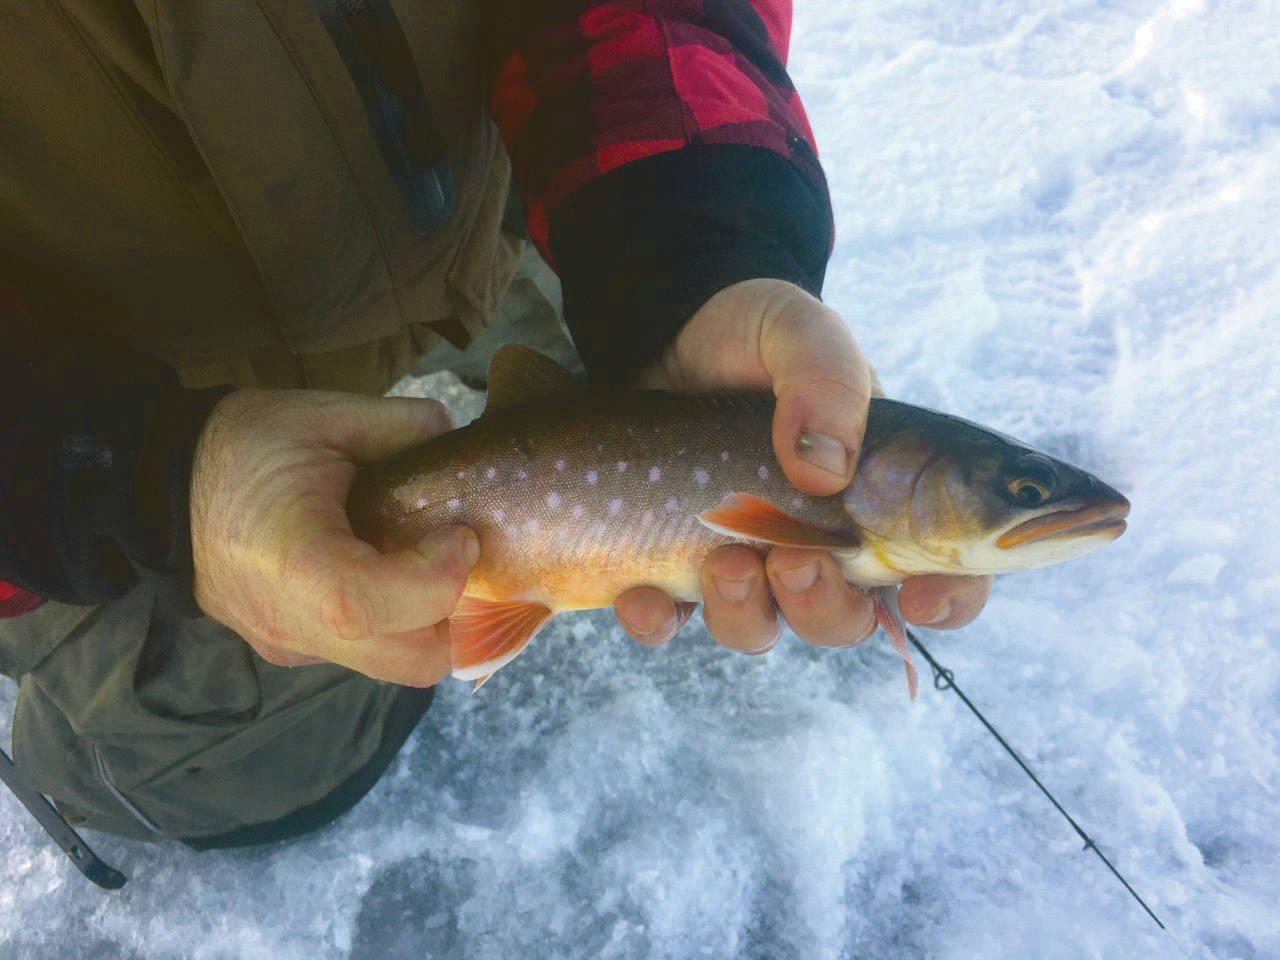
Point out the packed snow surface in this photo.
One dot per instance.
(1058, 219)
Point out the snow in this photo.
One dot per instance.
(1057, 219)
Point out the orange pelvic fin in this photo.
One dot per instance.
(890, 617)
(750, 517)
(486, 635)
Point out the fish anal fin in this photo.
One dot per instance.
(749, 517)
(519, 374)
(486, 635)
(889, 616)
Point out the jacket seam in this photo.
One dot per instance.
(359, 187)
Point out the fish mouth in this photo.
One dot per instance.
(1104, 519)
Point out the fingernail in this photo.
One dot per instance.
(823, 451)
(799, 579)
(443, 542)
(941, 616)
(470, 546)
(661, 633)
(734, 591)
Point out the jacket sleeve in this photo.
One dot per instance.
(662, 154)
(96, 445)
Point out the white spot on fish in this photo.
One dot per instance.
(462, 474)
(531, 525)
(490, 473)
(592, 477)
(646, 520)
(797, 502)
(672, 503)
(762, 472)
(521, 475)
(560, 465)
(499, 515)
(553, 500)
(577, 511)
(655, 474)
(453, 503)
(700, 477)
(622, 466)
(614, 506)
(724, 456)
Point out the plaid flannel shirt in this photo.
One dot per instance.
(616, 82)
(662, 154)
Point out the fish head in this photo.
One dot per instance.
(935, 493)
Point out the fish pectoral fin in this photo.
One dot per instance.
(486, 635)
(749, 517)
(890, 618)
(518, 374)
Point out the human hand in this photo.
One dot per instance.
(275, 558)
(773, 335)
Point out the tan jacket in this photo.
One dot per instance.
(200, 176)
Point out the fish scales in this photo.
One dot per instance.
(574, 502)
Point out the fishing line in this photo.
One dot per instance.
(944, 679)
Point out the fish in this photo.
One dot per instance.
(578, 493)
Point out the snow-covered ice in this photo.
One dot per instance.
(1059, 219)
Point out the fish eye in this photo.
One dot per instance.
(1031, 483)
(1028, 492)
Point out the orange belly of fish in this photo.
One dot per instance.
(589, 583)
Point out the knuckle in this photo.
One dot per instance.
(346, 614)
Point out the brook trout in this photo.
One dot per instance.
(579, 493)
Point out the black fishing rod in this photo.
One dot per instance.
(944, 679)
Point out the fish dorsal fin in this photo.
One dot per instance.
(518, 374)
(485, 635)
(749, 517)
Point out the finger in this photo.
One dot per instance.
(943, 602)
(415, 658)
(371, 428)
(648, 615)
(361, 593)
(815, 599)
(823, 385)
(736, 604)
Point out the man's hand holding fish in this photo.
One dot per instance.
(771, 335)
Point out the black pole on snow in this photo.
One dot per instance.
(943, 679)
(72, 844)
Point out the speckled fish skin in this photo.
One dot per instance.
(578, 497)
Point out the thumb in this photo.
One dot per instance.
(371, 428)
(823, 386)
(365, 593)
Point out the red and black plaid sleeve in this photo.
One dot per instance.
(662, 154)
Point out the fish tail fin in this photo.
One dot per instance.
(889, 616)
(486, 635)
